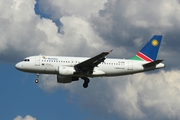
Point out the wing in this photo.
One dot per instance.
(88, 65)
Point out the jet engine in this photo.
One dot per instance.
(65, 70)
(66, 79)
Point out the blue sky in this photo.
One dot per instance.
(86, 28)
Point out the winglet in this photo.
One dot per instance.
(110, 51)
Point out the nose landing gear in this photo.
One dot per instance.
(37, 78)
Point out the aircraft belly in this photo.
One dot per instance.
(122, 70)
(113, 71)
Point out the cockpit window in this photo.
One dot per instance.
(26, 60)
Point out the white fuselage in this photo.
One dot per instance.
(110, 67)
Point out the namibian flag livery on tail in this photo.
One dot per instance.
(150, 50)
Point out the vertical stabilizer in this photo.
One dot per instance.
(150, 50)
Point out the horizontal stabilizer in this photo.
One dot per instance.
(152, 63)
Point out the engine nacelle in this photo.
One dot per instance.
(66, 79)
(65, 70)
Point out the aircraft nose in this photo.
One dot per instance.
(18, 66)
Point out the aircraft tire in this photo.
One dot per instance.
(85, 85)
(36, 80)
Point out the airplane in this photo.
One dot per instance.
(70, 69)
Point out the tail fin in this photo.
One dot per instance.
(150, 50)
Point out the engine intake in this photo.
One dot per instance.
(65, 70)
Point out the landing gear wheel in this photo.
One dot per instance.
(36, 80)
(86, 81)
(85, 85)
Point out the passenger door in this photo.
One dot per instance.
(37, 60)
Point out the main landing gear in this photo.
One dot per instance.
(86, 81)
(37, 78)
